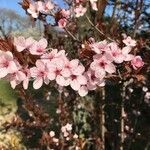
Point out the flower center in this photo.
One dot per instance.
(41, 73)
(93, 77)
(57, 72)
(5, 64)
(39, 50)
(73, 77)
(102, 64)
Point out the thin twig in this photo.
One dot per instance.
(71, 35)
(97, 29)
(119, 74)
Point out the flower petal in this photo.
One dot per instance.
(37, 83)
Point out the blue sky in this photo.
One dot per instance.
(12, 4)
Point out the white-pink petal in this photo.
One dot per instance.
(83, 91)
(75, 85)
(37, 83)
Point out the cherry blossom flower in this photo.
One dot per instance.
(36, 7)
(55, 140)
(65, 13)
(94, 78)
(102, 63)
(114, 53)
(40, 6)
(55, 72)
(83, 91)
(125, 52)
(21, 43)
(129, 42)
(48, 6)
(33, 10)
(77, 78)
(75, 136)
(94, 4)
(69, 67)
(147, 95)
(137, 62)
(39, 48)
(52, 133)
(7, 64)
(62, 23)
(144, 89)
(39, 73)
(80, 11)
(99, 47)
(68, 127)
(16, 78)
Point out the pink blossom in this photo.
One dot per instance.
(125, 52)
(75, 136)
(102, 63)
(55, 72)
(94, 78)
(48, 6)
(80, 11)
(94, 4)
(68, 127)
(147, 95)
(39, 48)
(52, 133)
(65, 13)
(39, 73)
(62, 23)
(78, 81)
(137, 62)
(40, 6)
(7, 64)
(16, 78)
(129, 42)
(114, 53)
(83, 91)
(99, 47)
(69, 67)
(21, 43)
(77, 77)
(33, 10)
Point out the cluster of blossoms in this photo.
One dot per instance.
(108, 55)
(35, 8)
(47, 7)
(66, 132)
(54, 65)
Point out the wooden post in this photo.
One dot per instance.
(102, 117)
(122, 136)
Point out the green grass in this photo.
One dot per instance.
(7, 94)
